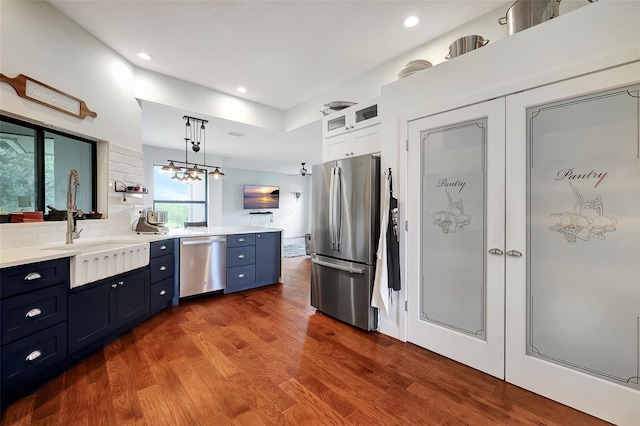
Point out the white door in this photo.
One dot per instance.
(573, 212)
(456, 235)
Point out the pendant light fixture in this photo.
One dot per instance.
(217, 174)
(194, 133)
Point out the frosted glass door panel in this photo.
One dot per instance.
(453, 239)
(583, 288)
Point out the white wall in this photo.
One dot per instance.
(292, 216)
(40, 42)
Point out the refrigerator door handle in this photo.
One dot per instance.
(338, 203)
(331, 208)
(350, 269)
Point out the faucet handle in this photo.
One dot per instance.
(76, 234)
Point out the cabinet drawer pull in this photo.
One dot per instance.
(496, 251)
(163, 247)
(33, 355)
(120, 282)
(33, 313)
(114, 285)
(241, 256)
(514, 253)
(163, 292)
(240, 275)
(32, 276)
(163, 268)
(240, 240)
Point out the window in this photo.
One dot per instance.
(185, 202)
(35, 167)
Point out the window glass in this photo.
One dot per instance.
(184, 202)
(61, 155)
(18, 171)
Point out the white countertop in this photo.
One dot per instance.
(32, 254)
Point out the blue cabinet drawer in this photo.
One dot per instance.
(160, 294)
(31, 312)
(238, 240)
(162, 267)
(237, 256)
(28, 358)
(33, 276)
(240, 276)
(160, 248)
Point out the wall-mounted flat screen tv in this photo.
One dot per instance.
(261, 197)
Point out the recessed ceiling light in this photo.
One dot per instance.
(241, 89)
(411, 21)
(144, 56)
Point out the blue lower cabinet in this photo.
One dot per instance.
(33, 325)
(27, 313)
(28, 361)
(161, 295)
(268, 257)
(253, 260)
(98, 310)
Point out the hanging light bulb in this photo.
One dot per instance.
(193, 171)
(217, 174)
(171, 168)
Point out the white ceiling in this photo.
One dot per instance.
(283, 52)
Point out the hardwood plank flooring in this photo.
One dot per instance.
(265, 357)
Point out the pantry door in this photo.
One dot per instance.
(456, 235)
(573, 214)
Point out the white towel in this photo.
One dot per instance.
(380, 297)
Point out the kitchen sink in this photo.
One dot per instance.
(103, 259)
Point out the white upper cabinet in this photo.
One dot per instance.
(351, 132)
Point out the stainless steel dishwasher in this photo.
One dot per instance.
(202, 264)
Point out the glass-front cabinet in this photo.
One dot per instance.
(532, 233)
(352, 118)
(351, 132)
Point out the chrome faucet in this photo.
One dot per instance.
(72, 208)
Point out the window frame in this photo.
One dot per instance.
(39, 159)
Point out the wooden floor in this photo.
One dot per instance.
(266, 357)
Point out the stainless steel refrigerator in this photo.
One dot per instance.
(345, 225)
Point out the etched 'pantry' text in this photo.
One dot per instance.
(572, 174)
(446, 183)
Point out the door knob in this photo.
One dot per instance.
(496, 251)
(514, 253)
